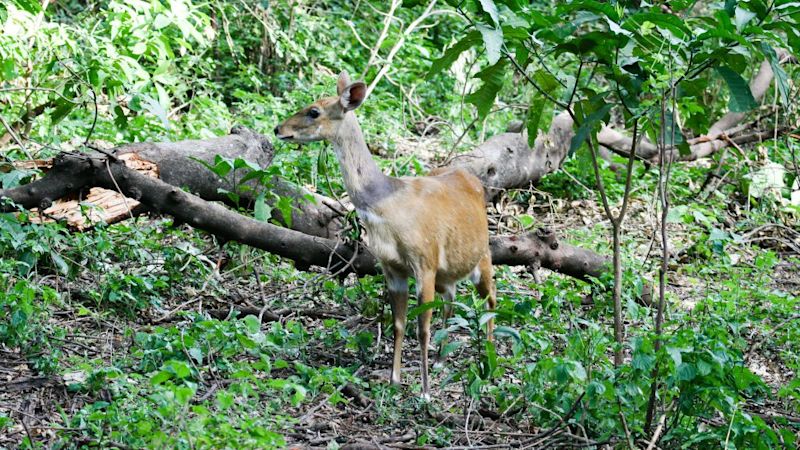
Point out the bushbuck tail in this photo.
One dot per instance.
(432, 228)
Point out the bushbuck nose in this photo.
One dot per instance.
(276, 130)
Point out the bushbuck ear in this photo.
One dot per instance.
(353, 95)
(343, 82)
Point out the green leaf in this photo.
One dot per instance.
(502, 330)
(491, 9)
(284, 205)
(160, 377)
(451, 54)
(197, 354)
(675, 354)
(419, 309)
(62, 265)
(63, 108)
(31, 6)
(8, 69)
(261, 211)
(493, 40)
(120, 120)
(490, 361)
(486, 317)
(224, 399)
(180, 368)
(742, 17)
(781, 79)
(686, 372)
(591, 122)
(741, 97)
(252, 324)
(534, 117)
(730, 6)
(673, 135)
(493, 79)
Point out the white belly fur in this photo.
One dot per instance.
(380, 238)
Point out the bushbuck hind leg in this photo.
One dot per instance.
(426, 293)
(486, 290)
(448, 296)
(397, 293)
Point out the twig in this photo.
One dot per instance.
(16, 138)
(387, 23)
(399, 44)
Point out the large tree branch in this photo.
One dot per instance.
(540, 249)
(718, 136)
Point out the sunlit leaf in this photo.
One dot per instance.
(493, 41)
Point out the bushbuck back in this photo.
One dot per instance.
(432, 228)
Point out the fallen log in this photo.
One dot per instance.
(73, 171)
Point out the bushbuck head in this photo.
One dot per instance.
(321, 119)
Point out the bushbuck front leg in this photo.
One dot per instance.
(486, 290)
(426, 293)
(397, 291)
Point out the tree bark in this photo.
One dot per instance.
(71, 172)
(506, 161)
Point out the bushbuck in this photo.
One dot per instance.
(432, 228)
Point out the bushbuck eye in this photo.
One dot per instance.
(313, 113)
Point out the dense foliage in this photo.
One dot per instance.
(119, 313)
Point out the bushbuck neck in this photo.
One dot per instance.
(366, 184)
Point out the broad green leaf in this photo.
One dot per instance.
(668, 22)
(451, 54)
(261, 211)
(673, 135)
(534, 118)
(730, 7)
(161, 21)
(602, 8)
(741, 97)
(493, 40)
(502, 330)
(686, 372)
(590, 123)
(491, 9)
(675, 354)
(781, 79)
(180, 368)
(63, 108)
(62, 265)
(120, 120)
(156, 108)
(490, 359)
(493, 79)
(8, 69)
(224, 399)
(485, 317)
(197, 354)
(284, 205)
(31, 6)
(252, 324)
(160, 377)
(742, 17)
